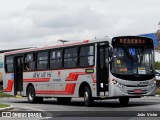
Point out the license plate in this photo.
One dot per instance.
(137, 91)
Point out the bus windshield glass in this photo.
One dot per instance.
(131, 60)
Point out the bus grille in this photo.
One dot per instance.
(136, 85)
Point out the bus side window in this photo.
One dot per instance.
(70, 58)
(56, 59)
(9, 64)
(29, 62)
(42, 60)
(86, 56)
(26, 64)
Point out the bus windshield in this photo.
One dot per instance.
(130, 60)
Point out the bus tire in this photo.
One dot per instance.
(88, 99)
(124, 100)
(64, 100)
(31, 95)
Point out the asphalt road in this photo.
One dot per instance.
(110, 109)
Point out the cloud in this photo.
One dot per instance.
(33, 23)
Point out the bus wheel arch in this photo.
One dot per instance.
(30, 91)
(85, 91)
(81, 88)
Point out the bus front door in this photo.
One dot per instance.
(102, 71)
(18, 75)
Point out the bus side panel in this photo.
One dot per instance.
(40, 81)
(8, 83)
(72, 78)
(59, 83)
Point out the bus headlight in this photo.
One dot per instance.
(151, 85)
(118, 84)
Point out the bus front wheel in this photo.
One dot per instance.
(88, 99)
(124, 100)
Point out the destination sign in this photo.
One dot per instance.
(132, 40)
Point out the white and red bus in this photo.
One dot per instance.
(93, 69)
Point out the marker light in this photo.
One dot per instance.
(86, 41)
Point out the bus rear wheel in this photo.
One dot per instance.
(31, 94)
(32, 97)
(124, 100)
(88, 99)
(64, 100)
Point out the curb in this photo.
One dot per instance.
(6, 108)
(16, 97)
(152, 96)
(157, 95)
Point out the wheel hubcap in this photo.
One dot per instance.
(85, 96)
(31, 95)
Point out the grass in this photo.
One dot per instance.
(158, 88)
(4, 95)
(4, 105)
(158, 91)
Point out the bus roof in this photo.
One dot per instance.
(58, 46)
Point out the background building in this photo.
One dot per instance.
(156, 39)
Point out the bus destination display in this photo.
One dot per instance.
(132, 41)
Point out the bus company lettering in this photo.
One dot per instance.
(42, 74)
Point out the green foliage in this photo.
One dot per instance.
(157, 65)
(4, 105)
(4, 95)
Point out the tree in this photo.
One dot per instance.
(157, 65)
(157, 35)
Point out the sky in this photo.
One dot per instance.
(32, 23)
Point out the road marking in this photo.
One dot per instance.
(30, 108)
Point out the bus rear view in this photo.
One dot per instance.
(132, 68)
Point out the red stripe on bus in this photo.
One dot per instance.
(69, 90)
(9, 86)
(73, 88)
(36, 80)
(93, 78)
(73, 76)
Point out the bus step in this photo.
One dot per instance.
(104, 94)
(18, 96)
(19, 93)
(101, 97)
